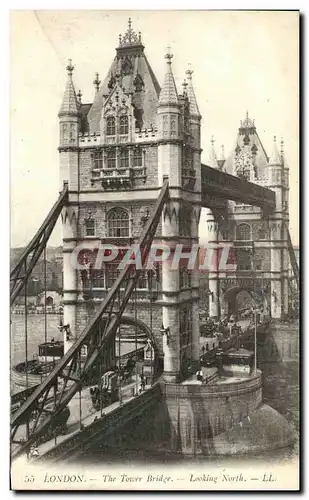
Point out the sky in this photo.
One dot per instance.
(242, 61)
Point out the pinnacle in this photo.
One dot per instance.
(191, 94)
(275, 158)
(70, 105)
(168, 93)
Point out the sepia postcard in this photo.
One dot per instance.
(154, 263)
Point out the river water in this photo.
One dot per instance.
(280, 375)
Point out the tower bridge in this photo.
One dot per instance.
(131, 172)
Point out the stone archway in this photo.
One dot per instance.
(236, 298)
(239, 298)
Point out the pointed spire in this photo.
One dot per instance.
(222, 156)
(275, 158)
(97, 82)
(213, 161)
(191, 94)
(168, 93)
(282, 149)
(221, 159)
(70, 104)
(185, 86)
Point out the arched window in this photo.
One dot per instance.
(243, 232)
(118, 223)
(110, 126)
(123, 125)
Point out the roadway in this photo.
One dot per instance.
(82, 414)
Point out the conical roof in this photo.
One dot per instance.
(168, 94)
(191, 95)
(213, 160)
(70, 104)
(275, 158)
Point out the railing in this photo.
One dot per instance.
(103, 427)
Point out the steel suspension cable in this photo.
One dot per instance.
(85, 337)
(119, 355)
(26, 343)
(45, 309)
(150, 325)
(135, 319)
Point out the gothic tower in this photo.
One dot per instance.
(260, 240)
(122, 146)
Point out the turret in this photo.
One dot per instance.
(69, 120)
(195, 128)
(275, 174)
(213, 161)
(221, 159)
(169, 149)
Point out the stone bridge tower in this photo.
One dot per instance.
(260, 240)
(114, 154)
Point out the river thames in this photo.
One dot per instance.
(280, 371)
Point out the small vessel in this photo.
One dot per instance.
(30, 373)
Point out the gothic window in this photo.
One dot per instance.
(184, 221)
(98, 278)
(124, 158)
(244, 174)
(262, 232)
(124, 125)
(185, 326)
(243, 260)
(96, 158)
(142, 281)
(126, 67)
(184, 277)
(90, 226)
(243, 232)
(110, 126)
(118, 223)
(111, 273)
(111, 158)
(138, 83)
(138, 157)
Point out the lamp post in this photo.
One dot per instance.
(255, 328)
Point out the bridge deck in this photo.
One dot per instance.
(229, 187)
(89, 414)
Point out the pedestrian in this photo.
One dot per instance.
(199, 375)
(143, 382)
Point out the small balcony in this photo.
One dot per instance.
(114, 178)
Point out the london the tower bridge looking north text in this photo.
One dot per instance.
(119, 342)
